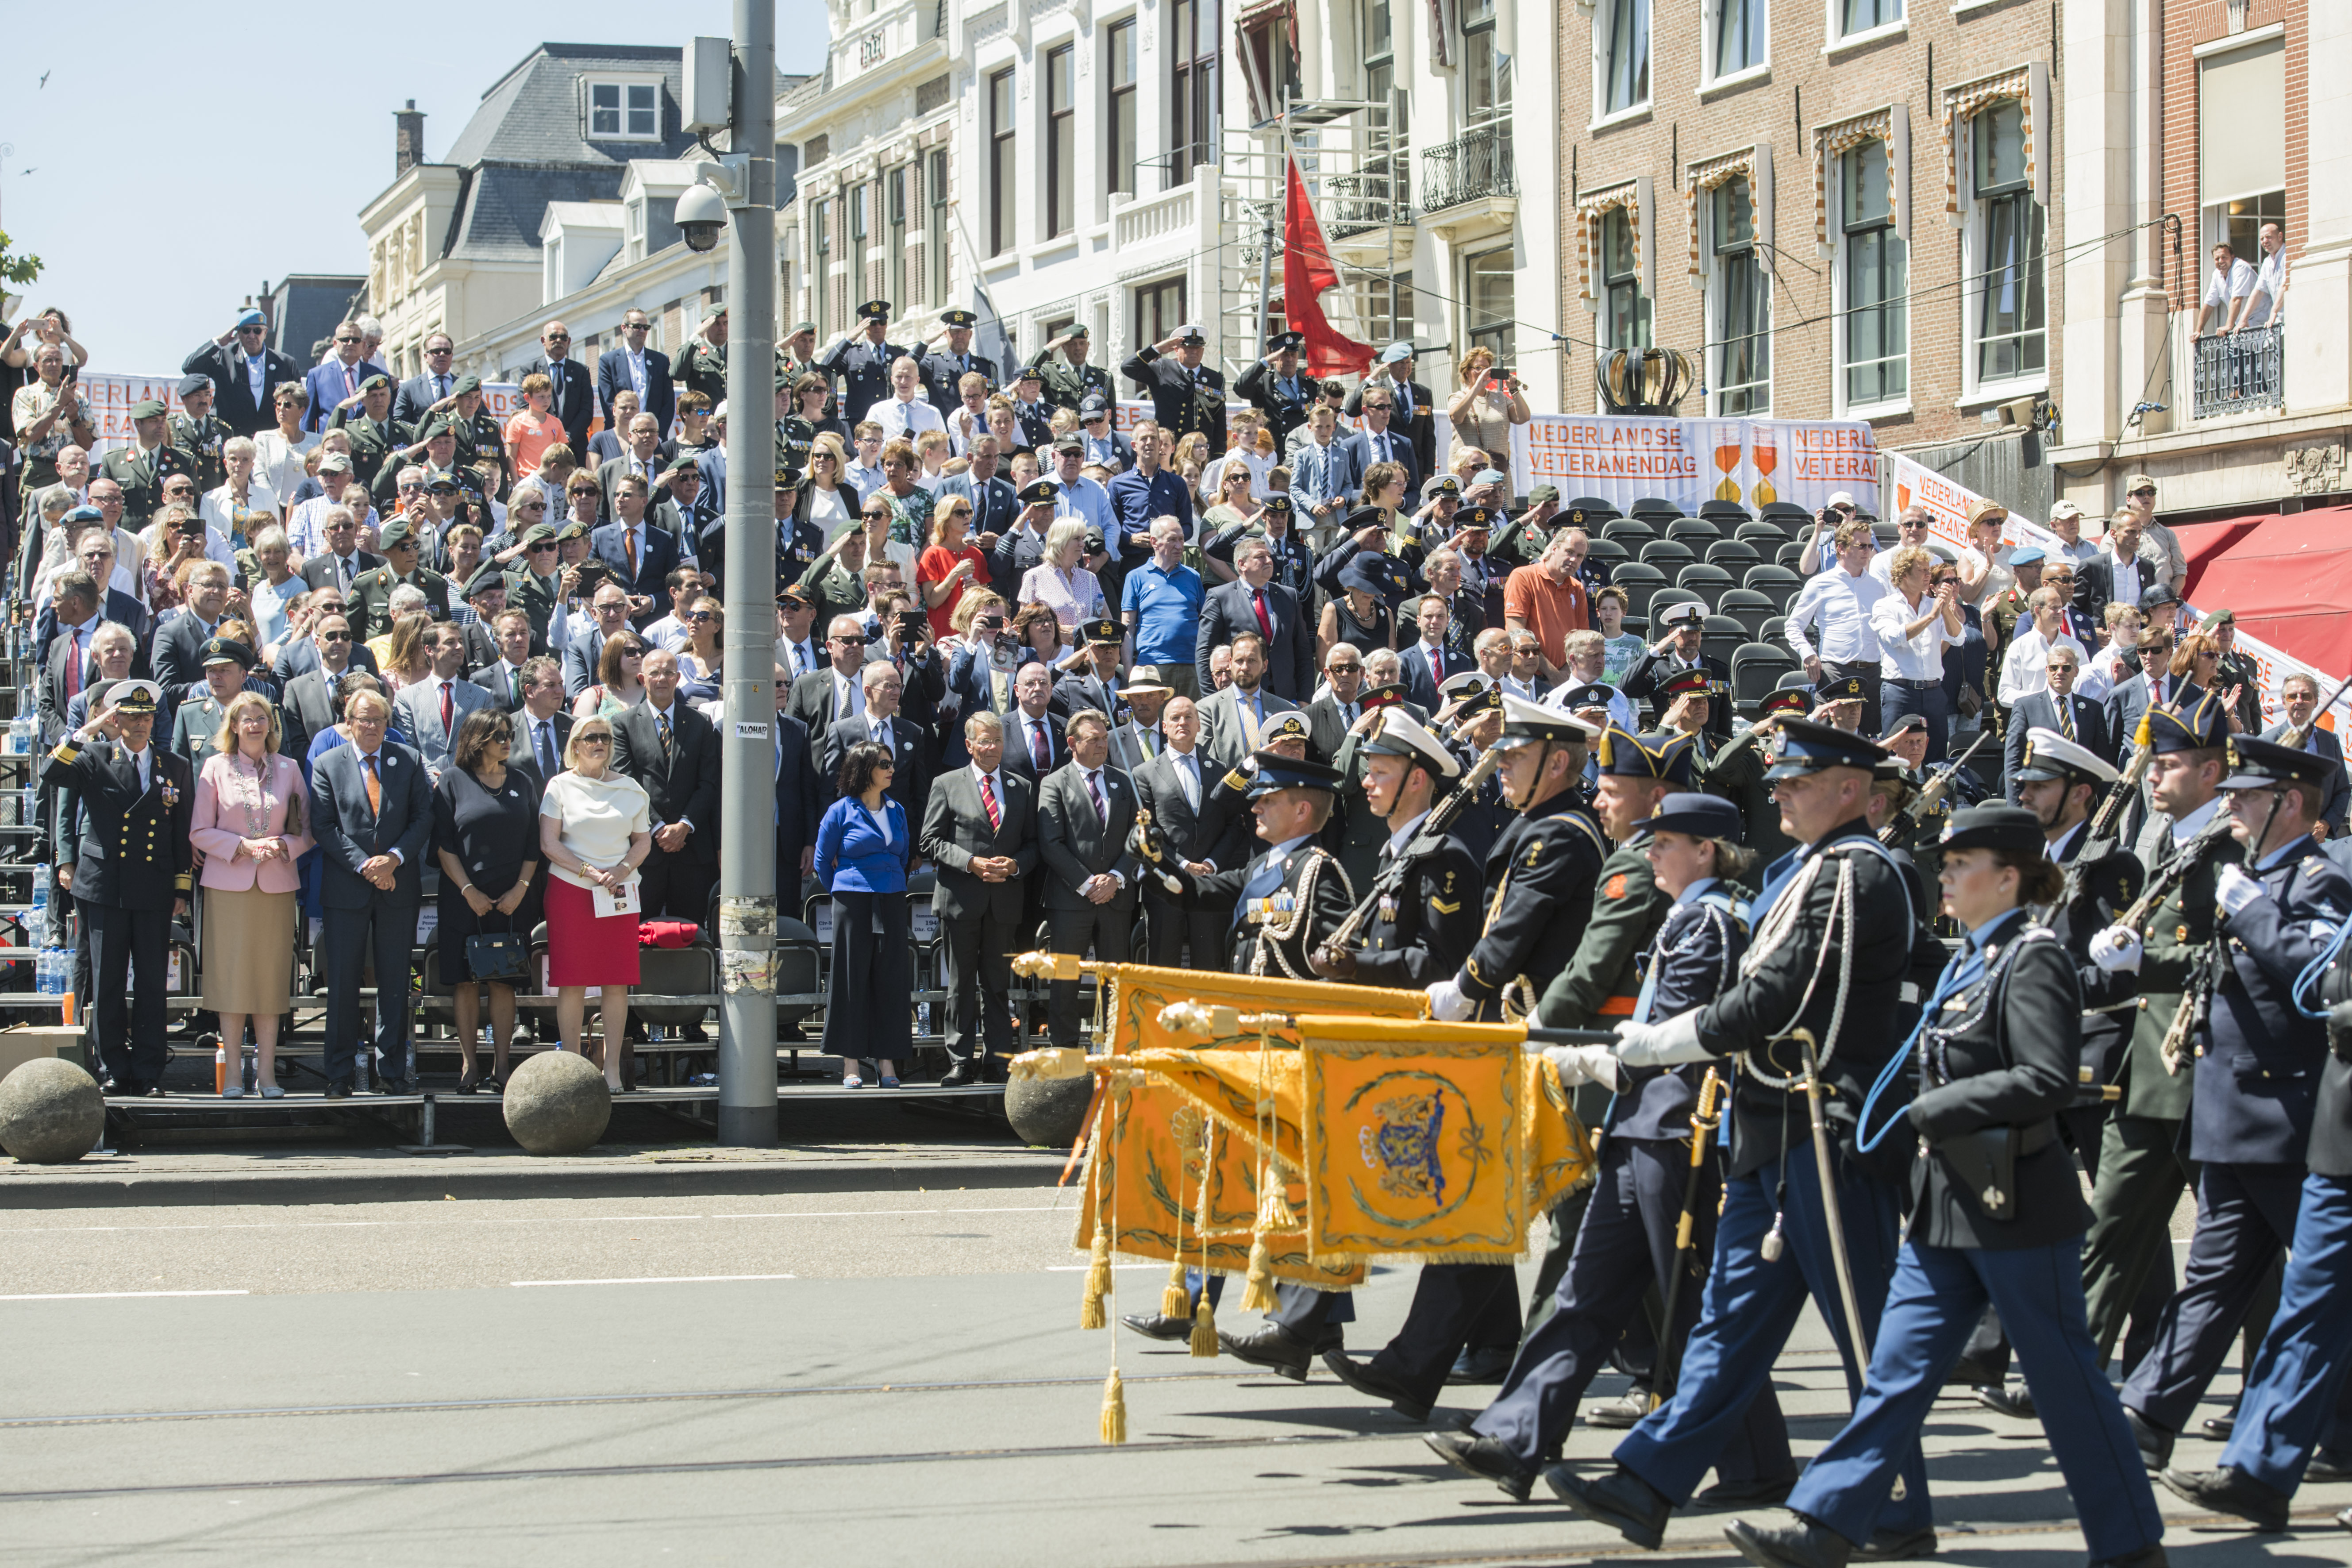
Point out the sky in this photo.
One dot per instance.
(161, 178)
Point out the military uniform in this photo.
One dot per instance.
(141, 474)
(703, 368)
(1540, 877)
(133, 864)
(1735, 772)
(860, 367)
(1067, 385)
(372, 442)
(1182, 401)
(477, 438)
(1283, 399)
(371, 597)
(202, 440)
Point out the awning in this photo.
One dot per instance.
(2205, 542)
(2289, 580)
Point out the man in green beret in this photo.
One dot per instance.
(366, 416)
(535, 581)
(702, 365)
(369, 605)
(196, 432)
(1067, 384)
(142, 466)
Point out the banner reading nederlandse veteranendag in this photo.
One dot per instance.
(1621, 459)
(111, 394)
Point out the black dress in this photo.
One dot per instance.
(492, 833)
(1380, 632)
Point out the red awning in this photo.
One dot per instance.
(2201, 542)
(2289, 579)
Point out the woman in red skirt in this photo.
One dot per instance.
(595, 830)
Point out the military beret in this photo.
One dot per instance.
(373, 381)
(394, 533)
(574, 529)
(486, 577)
(190, 385)
(147, 408)
(685, 464)
(537, 533)
(1396, 354)
(1542, 494)
(1094, 543)
(463, 385)
(250, 318)
(84, 515)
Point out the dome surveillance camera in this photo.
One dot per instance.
(700, 216)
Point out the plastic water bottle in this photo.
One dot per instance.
(360, 1067)
(45, 971)
(36, 927)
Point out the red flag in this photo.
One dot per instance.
(1306, 272)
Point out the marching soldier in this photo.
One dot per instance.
(1067, 385)
(199, 434)
(1736, 772)
(862, 364)
(375, 434)
(702, 366)
(1276, 388)
(1996, 1216)
(142, 466)
(943, 373)
(131, 871)
(1648, 1185)
(2258, 1066)
(1186, 395)
(1839, 907)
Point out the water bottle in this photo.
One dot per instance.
(45, 971)
(923, 1018)
(360, 1068)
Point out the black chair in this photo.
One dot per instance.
(1765, 535)
(1707, 581)
(1734, 555)
(1630, 533)
(688, 971)
(1779, 584)
(798, 971)
(1792, 518)
(1667, 555)
(1755, 670)
(1774, 630)
(1722, 637)
(1655, 506)
(1726, 512)
(1590, 511)
(1639, 581)
(1792, 554)
(1696, 533)
(1887, 534)
(1751, 609)
(1609, 554)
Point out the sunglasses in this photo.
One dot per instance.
(593, 740)
(541, 548)
(347, 339)
(2143, 492)
(334, 636)
(700, 616)
(557, 337)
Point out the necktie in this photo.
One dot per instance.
(1094, 788)
(988, 803)
(1403, 400)
(449, 707)
(1188, 773)
(669, 741)
(1251, 718)
(1264, 617)
(545, 745)
(2066, 718)
(374, 787)
(1041, 750)
(629, 548)
(73, 667)
(440, 386)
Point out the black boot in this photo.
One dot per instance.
(1796, 1542)
(1620, 1500)
(1485, 1458)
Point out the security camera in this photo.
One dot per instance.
(701, 213)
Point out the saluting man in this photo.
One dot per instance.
(1186, 395)
(862, 364)
(943, 371)
(1067, 385)
(199, 434)
(1276, 388)
(131, 871)
(1737, 770)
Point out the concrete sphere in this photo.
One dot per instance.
(1051, 1111)
(51, 1111)
(557, 1103)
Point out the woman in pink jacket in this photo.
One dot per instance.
(251, 808)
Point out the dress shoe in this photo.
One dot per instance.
(1157, 1326)
(2155, 1442)
(470, 1081)
(1897, 1545)
(1620, 1500)
(959, 1074)
(997, 1070)
(2229, 1491)
(1483, 1457)
(1620, 1413)
(1797, 1542)
(155, 1091)
(1270, 1345)
(2150, 1556)
(1747, 1494)
(2009, 1399)
(338, 1089)
(2219, 1427)
(2329, 1464)
(1367, 1378)
(1488, 1365)
(1972, 1372)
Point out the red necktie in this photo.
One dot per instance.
(447, 707)
(1041, 750)
(987, 799)
(73, 667)
(1265, 621)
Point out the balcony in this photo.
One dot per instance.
(1380, 197)
(2240, 373)
(1475, 167)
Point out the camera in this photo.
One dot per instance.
(700, 214)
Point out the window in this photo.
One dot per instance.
(1268, 66)
(1742, 301)
(894, 213)
(1193, 91)
(1739, 36)
(821, 271)
(625, 110)
(1380, 51)
(1118, 51)
(857, 230)
(2242, 145)
(1388, 310)
(1487, 280)
(1002, 173)
(1061, 141)
(2011, 311)
(1158, 310)
(1486, 78)
(1862, 16)
(1627, 312)
(1625, 84)
(935, 249)
(1877, 361)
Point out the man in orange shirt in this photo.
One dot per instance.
(1550, 600)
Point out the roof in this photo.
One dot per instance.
(582, 216)
(533, 113)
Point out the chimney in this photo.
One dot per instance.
(407, 138)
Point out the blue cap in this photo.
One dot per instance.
(250, 318)
(84, 515)
(1998, 825)
(1664, 755)
(1807, 747)
(2028, 557)
(1490, 476)
(1395, 352)
(1700, 815)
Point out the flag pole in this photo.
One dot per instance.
(1265, 245)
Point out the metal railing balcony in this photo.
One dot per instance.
(1380, 197)
(1470, 168)
(2240, 372)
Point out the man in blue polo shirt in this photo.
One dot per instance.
(1161, 607)
(1145, 491)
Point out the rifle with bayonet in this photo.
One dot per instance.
(1337, 950)
(1932, 790)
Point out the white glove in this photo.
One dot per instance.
(1586, 1064)
(2117, 950)
(1447, 1004)
(1661, 1045)
(2234, 890)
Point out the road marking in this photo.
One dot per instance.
(115, 1295)
(533, 1220)
(651, 1280)
(1082, 1268)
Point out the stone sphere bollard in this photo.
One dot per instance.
(51, 1111)
(557, 1103)
(1050, 1111)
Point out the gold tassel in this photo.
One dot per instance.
(1090, 1311)
(1205, 1330)
(1176, 1300)
(1257, 1294)
(1114, 1410)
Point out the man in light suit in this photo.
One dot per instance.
(2301, 693)
(575, 392)
(1084, 812)
(1414, 414)
(629, 365)
(641, 555)
(642, 451)
(338, 381)
(2079, 719)
(1376, 442)
(1173, 786)
(673, 751)
(1231, 720)
(980, 828)
(343, 562)
(245, 373)
(1254, 602)
(882, 721)
(431, 712)
(371, 812)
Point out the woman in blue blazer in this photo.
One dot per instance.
(864, 849)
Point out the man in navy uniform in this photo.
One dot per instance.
(1275, 386)
(2258, 1067)
(861, 364)
(943, 373)
(1849, 915)
(130, 873)
(1186, 395)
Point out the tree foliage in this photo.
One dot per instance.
(17, 268)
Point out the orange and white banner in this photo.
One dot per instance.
(1621, 459)
(111, 394)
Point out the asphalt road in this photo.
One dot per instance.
(860, 1379)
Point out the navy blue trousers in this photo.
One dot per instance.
(1626, 1242)
(2245, 1217)
(1454, 1305)
(1938, 1294)
(2298, 1381)
(1751, 1306)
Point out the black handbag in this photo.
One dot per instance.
(498, 954)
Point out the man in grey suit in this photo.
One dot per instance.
(1253, 602)
(2301, 693)
(980, 830)
(1231, 719)
(1173, 786)
(431, 712)
(371, 812)
(1084, 812)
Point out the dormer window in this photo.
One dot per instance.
(625, 110)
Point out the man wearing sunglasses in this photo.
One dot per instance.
(245, 373)
(337, 379)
